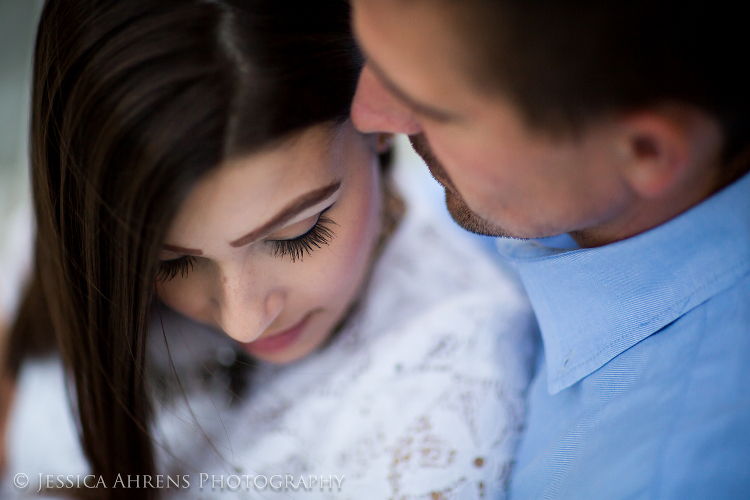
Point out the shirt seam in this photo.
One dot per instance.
(663, 314)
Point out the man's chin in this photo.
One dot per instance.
(469, 220)
(457, 207)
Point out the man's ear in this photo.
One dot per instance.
(665, 147)
(658, 153)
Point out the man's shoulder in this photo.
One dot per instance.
(667, 418)
(690, 401)
(707, 450)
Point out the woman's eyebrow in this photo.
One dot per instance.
(289, 212)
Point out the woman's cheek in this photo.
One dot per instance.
(183, 297)
(165, 293)
(347, 258)
(358, 243)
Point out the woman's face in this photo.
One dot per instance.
(274, 247)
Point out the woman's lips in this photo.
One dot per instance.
(278, 341)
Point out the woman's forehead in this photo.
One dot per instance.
(246, 192)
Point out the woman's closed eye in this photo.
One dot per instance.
(317, 236)
(169, 269)
(320, 234)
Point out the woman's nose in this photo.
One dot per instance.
(245, 313)
(375, 109)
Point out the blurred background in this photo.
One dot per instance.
(18, 20)
(17, 25)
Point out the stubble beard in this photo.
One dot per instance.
(457, 207)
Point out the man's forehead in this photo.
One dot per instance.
(408, 46)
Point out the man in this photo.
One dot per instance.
(627, 126)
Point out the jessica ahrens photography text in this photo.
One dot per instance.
(230, 482)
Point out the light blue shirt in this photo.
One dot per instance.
(643, 388)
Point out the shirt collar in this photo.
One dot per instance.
(593, 304)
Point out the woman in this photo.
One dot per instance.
(199, 154)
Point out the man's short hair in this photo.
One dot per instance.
(565, 62)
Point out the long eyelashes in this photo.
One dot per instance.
(296, 248)
(169, 269)
(319, 235)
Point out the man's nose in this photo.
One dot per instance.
(245, 313)
(375, 109)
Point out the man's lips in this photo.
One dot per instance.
(278, 341)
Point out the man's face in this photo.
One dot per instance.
(501, 177)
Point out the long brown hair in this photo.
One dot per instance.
(133, 102)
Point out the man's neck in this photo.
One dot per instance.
(645, 214)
